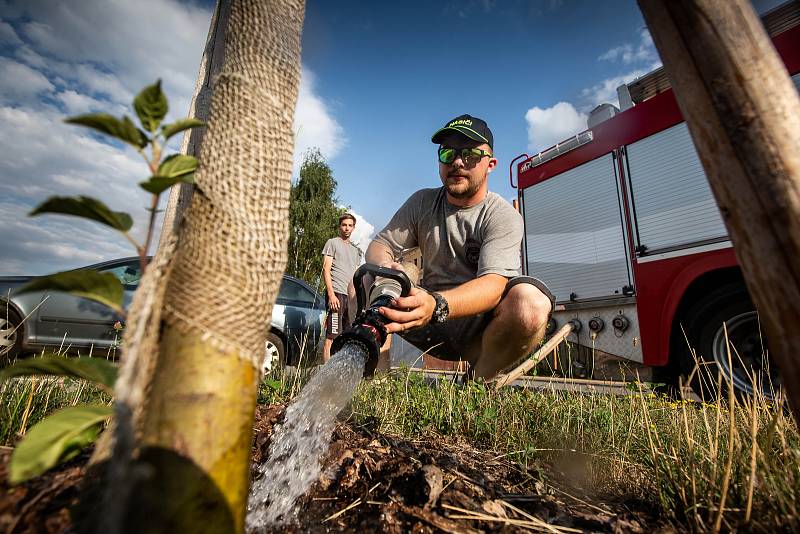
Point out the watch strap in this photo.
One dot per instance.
(441, 310)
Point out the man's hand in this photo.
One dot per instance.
(410, 312)
(333, 302)
(392, 265)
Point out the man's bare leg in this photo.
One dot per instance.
(384, 358)
(352, 303)
(518, 326)
(326, 350)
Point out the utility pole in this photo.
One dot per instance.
(213, 58)
(743, 113)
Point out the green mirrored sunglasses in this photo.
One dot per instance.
(470, 156)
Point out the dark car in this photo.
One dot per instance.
(50, 320)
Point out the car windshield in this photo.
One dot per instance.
(128, 274)
(291, 290)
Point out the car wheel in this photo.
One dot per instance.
(10, 335)
(275, 354)
(750, 367)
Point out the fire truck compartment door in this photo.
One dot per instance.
(671, 198)
(574, 239)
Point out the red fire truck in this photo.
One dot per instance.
(621, 224)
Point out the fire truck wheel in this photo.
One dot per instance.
(750, 367)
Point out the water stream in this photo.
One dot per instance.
(300, 442)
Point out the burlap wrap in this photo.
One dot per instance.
(220, 275)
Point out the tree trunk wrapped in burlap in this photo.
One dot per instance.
(204, 304)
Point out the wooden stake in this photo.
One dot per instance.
(213, 58)
(537, 356)
(743, 112)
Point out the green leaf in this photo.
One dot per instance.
(97, 370)
(177, 165)
(274, 385)
(88, 208)
(55, 439)
(122, 129)
(104, 288)
(157, 184)
(151, 106)
(168, 130)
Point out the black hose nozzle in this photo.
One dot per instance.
(369, 336)
(368, 330)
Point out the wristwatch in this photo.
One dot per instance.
(441, 310)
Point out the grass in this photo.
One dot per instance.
(25, 402)
(726, 465)
(731, 465)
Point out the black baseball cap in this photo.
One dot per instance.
(469, 126)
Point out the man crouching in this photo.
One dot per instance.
(473, 304)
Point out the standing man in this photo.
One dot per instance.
(341, 259)
(474, 305)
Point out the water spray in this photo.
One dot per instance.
(301, 440)
(368, 330)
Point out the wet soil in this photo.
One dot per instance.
(374, 482)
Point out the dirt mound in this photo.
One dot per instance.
(378, 483)
(373, 482)
(42, 504)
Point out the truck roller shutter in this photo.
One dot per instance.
(672, 201)
(573, 232)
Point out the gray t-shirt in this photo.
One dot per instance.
(346, 258)
(457, 244)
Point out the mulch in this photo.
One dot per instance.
(373, 482)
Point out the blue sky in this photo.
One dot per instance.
(393, 76)
(378, 79)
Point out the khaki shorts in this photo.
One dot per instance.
(449, 340)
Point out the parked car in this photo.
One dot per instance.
(50, 320)
(298, 323)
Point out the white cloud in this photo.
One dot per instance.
(84, 56)
(88, 56)
(135, 42)
(8, 35)
(51, 157)
(548, 126)
(101, 83)
(71, 182)
(44, 244)
(313, 123)
(20, 82)
(30, 57)
(623, 51)
(606, 90)
(363, 232)
(640, 58)
(630, 53)
(76, 103)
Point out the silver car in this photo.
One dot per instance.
(47, 320)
